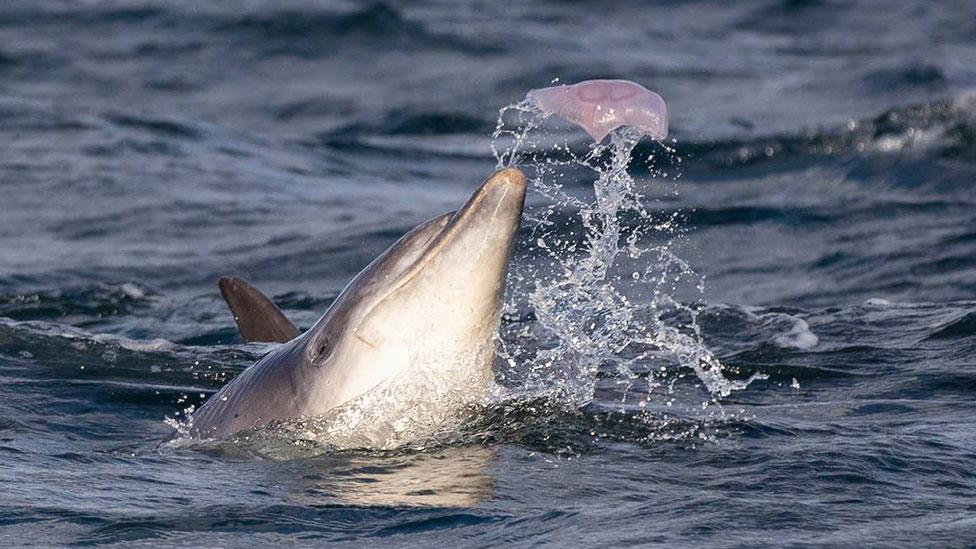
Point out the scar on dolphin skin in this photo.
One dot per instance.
(601, 106)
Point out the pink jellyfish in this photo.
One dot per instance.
(601, 106)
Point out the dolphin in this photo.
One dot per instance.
(410, 340)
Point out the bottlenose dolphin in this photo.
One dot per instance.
(410, 339)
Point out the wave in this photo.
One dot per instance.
(942, 129)
(797, 349)
(945, 128)
(34, 13)
(964, 326)
(320, 33)
(75, 303)
(168, 128)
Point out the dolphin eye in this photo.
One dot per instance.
(322, 350)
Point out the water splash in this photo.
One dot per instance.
(599, 300)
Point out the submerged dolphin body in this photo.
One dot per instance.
(415, 327)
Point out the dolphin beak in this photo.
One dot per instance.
(500, 199)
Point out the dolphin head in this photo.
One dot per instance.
(416, 326)
(428, 308)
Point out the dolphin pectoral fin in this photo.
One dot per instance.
(257, 317)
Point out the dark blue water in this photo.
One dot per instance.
(827, 163)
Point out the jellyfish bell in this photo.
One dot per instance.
(601, 106)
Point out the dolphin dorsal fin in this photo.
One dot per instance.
(257, 317)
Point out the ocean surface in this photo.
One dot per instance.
(821, 179)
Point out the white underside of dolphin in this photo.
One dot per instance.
(403, 350)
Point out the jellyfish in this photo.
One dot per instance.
(601, 106)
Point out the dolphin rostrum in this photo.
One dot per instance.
(410, 341)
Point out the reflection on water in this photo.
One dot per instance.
(447, 477)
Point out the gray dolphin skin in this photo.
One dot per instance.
(416, 325)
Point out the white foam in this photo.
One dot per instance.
(799, 336)
(788, 331)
